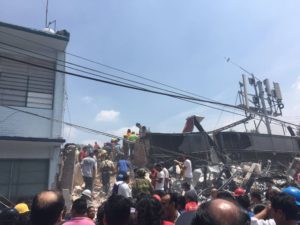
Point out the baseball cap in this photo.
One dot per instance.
(22, 208)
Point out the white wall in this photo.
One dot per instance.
(59, 91)
(33, 150)
(14, 123)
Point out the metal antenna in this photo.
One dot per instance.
(240, 67)
(46, 23)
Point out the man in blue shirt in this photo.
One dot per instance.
(123, 166)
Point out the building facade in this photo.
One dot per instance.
(32, 90)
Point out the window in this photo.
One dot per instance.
(25, 85)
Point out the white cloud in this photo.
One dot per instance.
(87, 99)
(107, 116)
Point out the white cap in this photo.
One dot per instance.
(87, 193)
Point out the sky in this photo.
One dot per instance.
(179, 43)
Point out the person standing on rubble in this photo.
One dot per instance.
(88, 169)
(186, 169)
(160, 179)
(141, 184)
(132, 139)
(106, 168)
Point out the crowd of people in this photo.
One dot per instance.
(144, 196)
(147, 206)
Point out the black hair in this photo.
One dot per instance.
(125, 177)
(174, 198)
(258, 208)
(160, 193)
(205, 216)
(181, 202)
(256, 194)
(79, 206)
(287, 204)
(149, 211)
(191, 196)
(9, 216)
(117, 210)
(100, 215)
(46, 212)
(225, 195)
(185, 186)
(243, 201)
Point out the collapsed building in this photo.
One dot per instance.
(225, 147)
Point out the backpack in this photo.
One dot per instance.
(106, 168)
(115, 188)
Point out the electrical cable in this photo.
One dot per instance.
(107, 66)
(158, 82)
(143, 89)
(89, 130)
(121, 84)
(222, 110)
(109, 75)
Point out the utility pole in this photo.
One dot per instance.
(257, 102)
(263, 104)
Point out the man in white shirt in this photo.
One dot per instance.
(160, 179)
(167, 178)
(124, 188)
(188, 171)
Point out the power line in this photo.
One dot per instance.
(121, 84)
(123, 71)
(142, 89)
(89, 130)
(191, 101)
(223, 110)
(107, 66)
(211, 102)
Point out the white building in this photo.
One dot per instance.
(30, 145)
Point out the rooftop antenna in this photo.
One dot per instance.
(228, 59)
(46, 23)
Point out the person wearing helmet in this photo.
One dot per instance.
(24, 213)
(293, 191)
(87, 195)
(284, 211)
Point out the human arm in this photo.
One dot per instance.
(264, 213)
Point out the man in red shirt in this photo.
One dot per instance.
(83, 153)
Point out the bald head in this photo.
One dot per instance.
(47, 197)
(220, 212)
(224, 211)
(47, 207)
